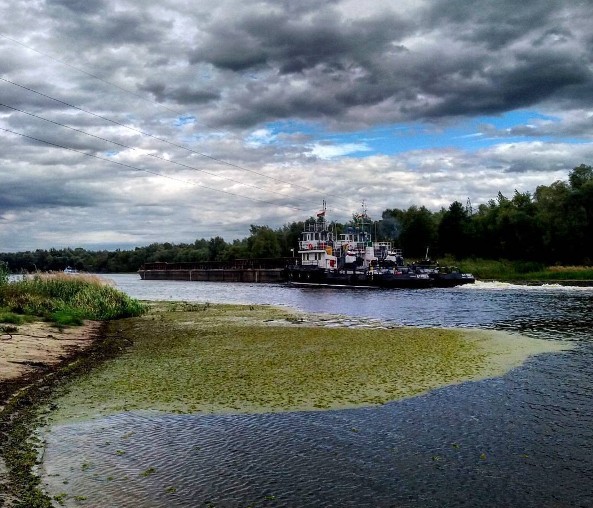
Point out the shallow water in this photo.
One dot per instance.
(524, 439)
(550, 311)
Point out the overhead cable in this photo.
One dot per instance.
(137, 150)
(147, 170)
(220, 161)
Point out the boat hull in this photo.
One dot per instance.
(403, 281)
(452, 280)
(320, 277)
(313, 277)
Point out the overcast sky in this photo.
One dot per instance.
(130, 122)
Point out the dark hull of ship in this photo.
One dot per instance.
(450, 280)
(316, 277)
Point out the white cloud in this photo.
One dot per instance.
(327, 151)
(212, 76)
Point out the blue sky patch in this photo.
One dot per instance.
(465, 135)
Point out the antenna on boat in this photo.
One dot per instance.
(321, 215)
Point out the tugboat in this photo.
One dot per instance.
(351, 259)
(444, 276)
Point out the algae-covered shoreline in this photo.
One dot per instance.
(201, 358)
(188, 358)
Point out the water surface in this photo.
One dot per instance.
(523, 439)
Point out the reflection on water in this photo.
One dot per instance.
(525, 439)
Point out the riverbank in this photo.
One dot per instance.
(201, 358)
(523, 272)
(34, 349)
(34, 359)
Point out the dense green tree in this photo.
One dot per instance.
(580, 176)
(237, 250)
(419, 231)
(580, 206)
(216, 249)
(454, 235)
(288, 237)
(263, 242)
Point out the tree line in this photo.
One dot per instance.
(553, 225)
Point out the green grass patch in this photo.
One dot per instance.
(67, 300)
(6, 316)
(68, 317)
(506, 270)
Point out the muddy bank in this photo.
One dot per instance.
(34, 349)
(34, 359)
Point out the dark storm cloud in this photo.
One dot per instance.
(103, 24)
(290, 44)
(46, 192)
(527, 82)
(452, 59)
(494, 24)
(274, 60)
(184, 94)
(78, 6)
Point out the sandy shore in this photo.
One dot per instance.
(36, 348)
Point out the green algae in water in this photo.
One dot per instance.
(232, 358)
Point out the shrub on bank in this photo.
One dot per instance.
(3, 273)
(67, 299)
(504, 269)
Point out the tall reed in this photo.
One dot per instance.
(67, 298)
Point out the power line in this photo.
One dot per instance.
(220, 161)
(136, 150)
(161, 139)
(103, 80)
(146, 170)
(146, 99)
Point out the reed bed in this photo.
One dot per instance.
(66, 299)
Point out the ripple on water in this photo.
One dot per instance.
(524, 439)
(487, 443)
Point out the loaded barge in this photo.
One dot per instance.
(326, 259)
(240, 270)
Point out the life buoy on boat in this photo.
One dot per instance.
(310, 246)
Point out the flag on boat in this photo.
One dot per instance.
(321, 214)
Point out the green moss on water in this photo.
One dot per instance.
(219, 358)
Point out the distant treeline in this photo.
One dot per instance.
(554, 225)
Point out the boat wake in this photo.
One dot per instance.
(510, 286)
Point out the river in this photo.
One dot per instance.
(523, 439)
